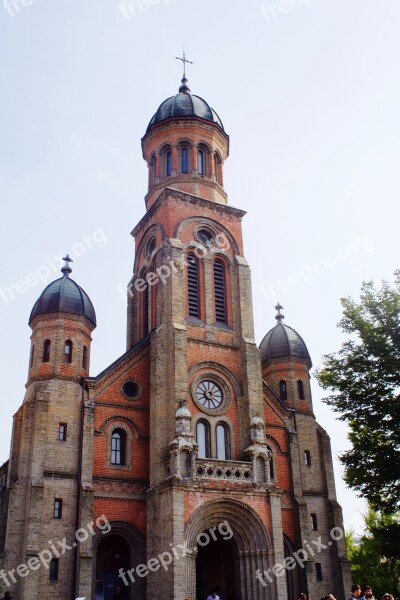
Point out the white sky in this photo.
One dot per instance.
(310, 99)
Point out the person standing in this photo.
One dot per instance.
(367, 593)
(355, 592)
(118, 594)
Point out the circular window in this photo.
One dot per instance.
(131, 389)
(205, 236)
(209, 394)
(151, 244)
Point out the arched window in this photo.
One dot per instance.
(68, 352)
(185, 160)
(118, 447)
(271, 464)
(152, 170)
(223, 450)
(282, 390)
(168, 163)
(220, 291)
(203, 439)
(193, 286)
(218, 168)
(46, 351)
(85, 358)
(201, 162)
(145, 303)
(32, 357)
(300, 389)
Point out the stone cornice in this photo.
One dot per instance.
(183, 123)
(55, 316)
(52, 377)
(186, 198)
(194, 179)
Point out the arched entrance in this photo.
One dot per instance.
(112, 555)
(122, 548)
(291, 579)
(215, 567)
(241, 546)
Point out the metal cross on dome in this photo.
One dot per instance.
(184, 60)
(279, 317)
(68, 260)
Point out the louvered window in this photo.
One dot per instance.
(193, 286)
(220, 292)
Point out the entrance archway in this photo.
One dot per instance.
(248, 549)
(112, 555)
(122, 547)
(215, 568)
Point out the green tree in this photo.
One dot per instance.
(364, 378)
(377, 543)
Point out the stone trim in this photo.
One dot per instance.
(170, 193)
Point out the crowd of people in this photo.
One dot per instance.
(357, 593)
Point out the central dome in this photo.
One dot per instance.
(185, 104)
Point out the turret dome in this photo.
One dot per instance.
(64, 295)
(283, 342)
(184, 104)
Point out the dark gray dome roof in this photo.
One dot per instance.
(185, 104)
(64, 295)
(282, 342)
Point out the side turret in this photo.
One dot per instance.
(62, 321)
(286, 363)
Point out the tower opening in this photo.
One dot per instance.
(217, 567)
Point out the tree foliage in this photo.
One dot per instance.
(364, 377)
(381, 539)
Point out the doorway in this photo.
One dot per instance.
(216, 569)
(112, 555)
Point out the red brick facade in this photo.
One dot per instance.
(135, 451)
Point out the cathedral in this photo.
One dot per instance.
(193, 462)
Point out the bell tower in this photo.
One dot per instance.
(190, 299)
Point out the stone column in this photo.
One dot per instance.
(191, 556)
(277, 542)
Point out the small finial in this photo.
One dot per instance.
(184, 88)
(66, 268)
(279, 317)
